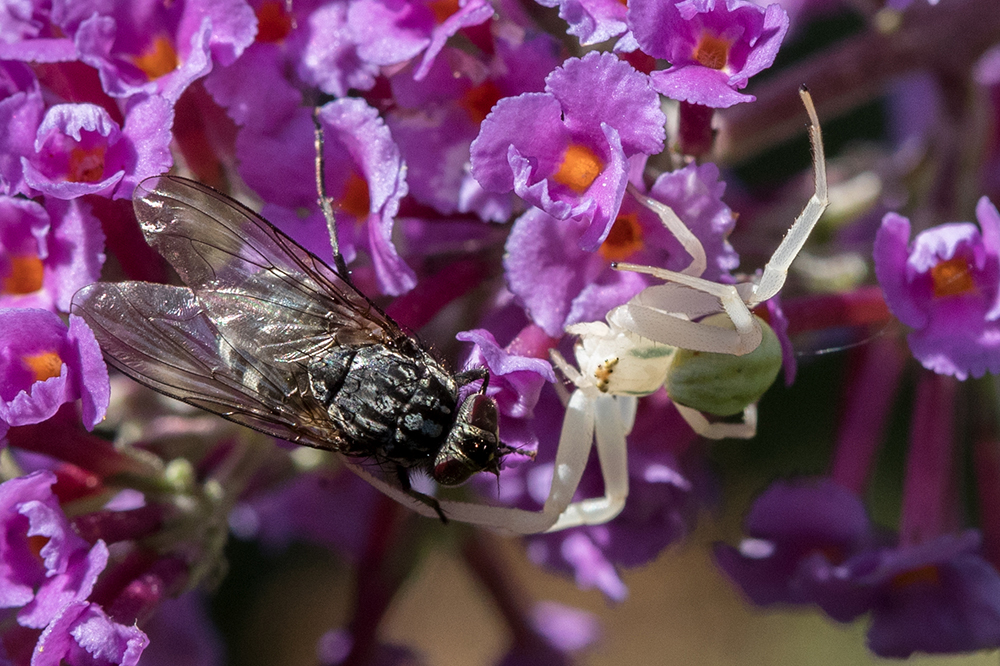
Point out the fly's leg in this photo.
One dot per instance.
(403, 475)
(474, 374)
(324, 201)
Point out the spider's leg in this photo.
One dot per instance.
(721, 430)
(613, 417)
(776, 270)
(668, 328)
(675, 226)
(571, 459)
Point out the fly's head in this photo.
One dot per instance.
(473, 445)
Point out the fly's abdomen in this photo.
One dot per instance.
(385, 404)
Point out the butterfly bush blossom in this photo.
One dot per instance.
(713, 47)
(566, 152)
(945, 285)
(488, 164)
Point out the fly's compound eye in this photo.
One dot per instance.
(473, 445)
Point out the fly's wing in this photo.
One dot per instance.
(161, 337)
(268, 296)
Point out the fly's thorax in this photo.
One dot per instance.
(473, 445)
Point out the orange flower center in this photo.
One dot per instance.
(928, 574)
(25, 275)
(579, 168)
(712, 51)
(355, 199)
(159, 59)
(86, 165)
(273, 22)
(624, 239)
(951, 278)
(36, 543)
(479, 100)
(442, 9)
(44, 366)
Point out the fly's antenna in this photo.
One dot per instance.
(324, 201)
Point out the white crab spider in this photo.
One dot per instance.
(659, 337)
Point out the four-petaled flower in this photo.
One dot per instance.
(945, 285)
(713, 46)
(566, 150)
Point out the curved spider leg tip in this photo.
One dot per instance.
(803, 88)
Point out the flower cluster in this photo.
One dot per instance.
(491, 167)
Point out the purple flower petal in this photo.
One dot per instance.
(566, 152)
(83, 634)
(714, 47)
(21, 108)
(945, 285)
(44, 365)
(80, 150)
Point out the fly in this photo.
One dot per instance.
(267, 335)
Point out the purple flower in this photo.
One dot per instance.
(330, 58)
(807, 542)
(436, 119)
(557, 631)
(21, 108)
(42, 582)
(47, 253)
(155, 48)
(43, 365)
(713, 46)
(392, 32)
(515, 380)
(566, 150)
(517, 376)
(567, 628)
(814, 544)
(36, 32)
(945, 285)
(80, 150)
(83, 635)
(341, 509)
(365, 177)
(561, 284)
(592, 21)
(311, 44)
(254, 89)
(939, 597)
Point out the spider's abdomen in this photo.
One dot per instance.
(386, 404)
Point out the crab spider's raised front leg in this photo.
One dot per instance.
(776, 270)
(675, 226)
(669, 320)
